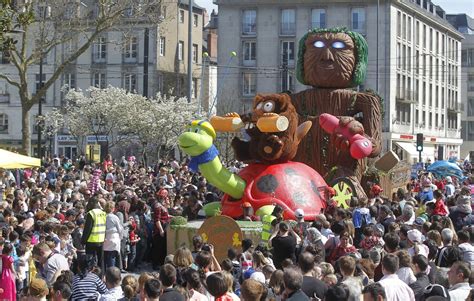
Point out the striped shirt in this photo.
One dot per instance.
(87, 288)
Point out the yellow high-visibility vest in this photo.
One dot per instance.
(267, 227)
(98, 229)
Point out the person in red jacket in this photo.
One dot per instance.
(440, 206)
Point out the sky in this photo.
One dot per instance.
(450, 6)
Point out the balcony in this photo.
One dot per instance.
(455, 108)
(407, 96)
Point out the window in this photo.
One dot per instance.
(399, 55)
(195, 20)
(162, 46)
(470, 132)
(470, 106)
(130, 82)
(287, 81)
(250, 53)
(288, 22)
(409, 29)
(181, 16)
(404, 27)
(249, 22)
(431, 39)
(69, 80)
(318, 18)
(288, 53)
(358, 20)
(4, 57)
(180, 50)
(69, 47)
(99, 50)
(399, 24)
(3, 123)
(195, 88)
(37, 85)
(195, 53)
(424, 36)
(43, 11)
(99, 80)
(417, 33)
(130, 51)
(249, 84)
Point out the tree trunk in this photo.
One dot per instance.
(25, 131)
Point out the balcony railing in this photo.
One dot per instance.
(249, 28)
(456, 108)
(407, 96)
(318, 25)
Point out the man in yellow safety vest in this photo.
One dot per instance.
(94, 230)
(269, 221)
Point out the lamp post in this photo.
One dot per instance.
(40, 106)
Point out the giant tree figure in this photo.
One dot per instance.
(333, 61)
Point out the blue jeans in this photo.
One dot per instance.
(111, 258)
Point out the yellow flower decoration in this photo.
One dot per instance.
(204, 237)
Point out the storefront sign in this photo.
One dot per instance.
(93, 139)
(65, 138)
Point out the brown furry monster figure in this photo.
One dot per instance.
(332, 61)
(275, 146)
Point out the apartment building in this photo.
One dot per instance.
(413, 62)
(465, 25)
(143, 58)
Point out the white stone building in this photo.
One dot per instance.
(465, 25)
(413, 62)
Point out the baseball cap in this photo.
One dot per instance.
(299, 213)
(436, 290)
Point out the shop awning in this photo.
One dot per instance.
(9, 160)
(408, 147)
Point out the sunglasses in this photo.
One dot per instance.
(430, 287)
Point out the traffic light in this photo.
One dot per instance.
(419, 142)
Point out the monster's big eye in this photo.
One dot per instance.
(268, 106)
(259, 106)
(338, 45)
(319, 44)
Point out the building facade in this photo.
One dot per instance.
(144, 59)
(413, 62)
(465, 25)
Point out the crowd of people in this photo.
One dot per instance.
(77, 231)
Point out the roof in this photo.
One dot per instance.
(461, 20)
(431, 16)
(185, 3)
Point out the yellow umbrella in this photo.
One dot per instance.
(9, 160)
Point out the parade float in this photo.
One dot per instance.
(294, 144)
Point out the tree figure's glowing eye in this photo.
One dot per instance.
(319, 44)
(338, 45)
(268, 106)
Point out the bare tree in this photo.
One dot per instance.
(47, 25)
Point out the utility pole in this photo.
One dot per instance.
(190, 51)
(377, 51)
(145, 62)
(40, 105)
